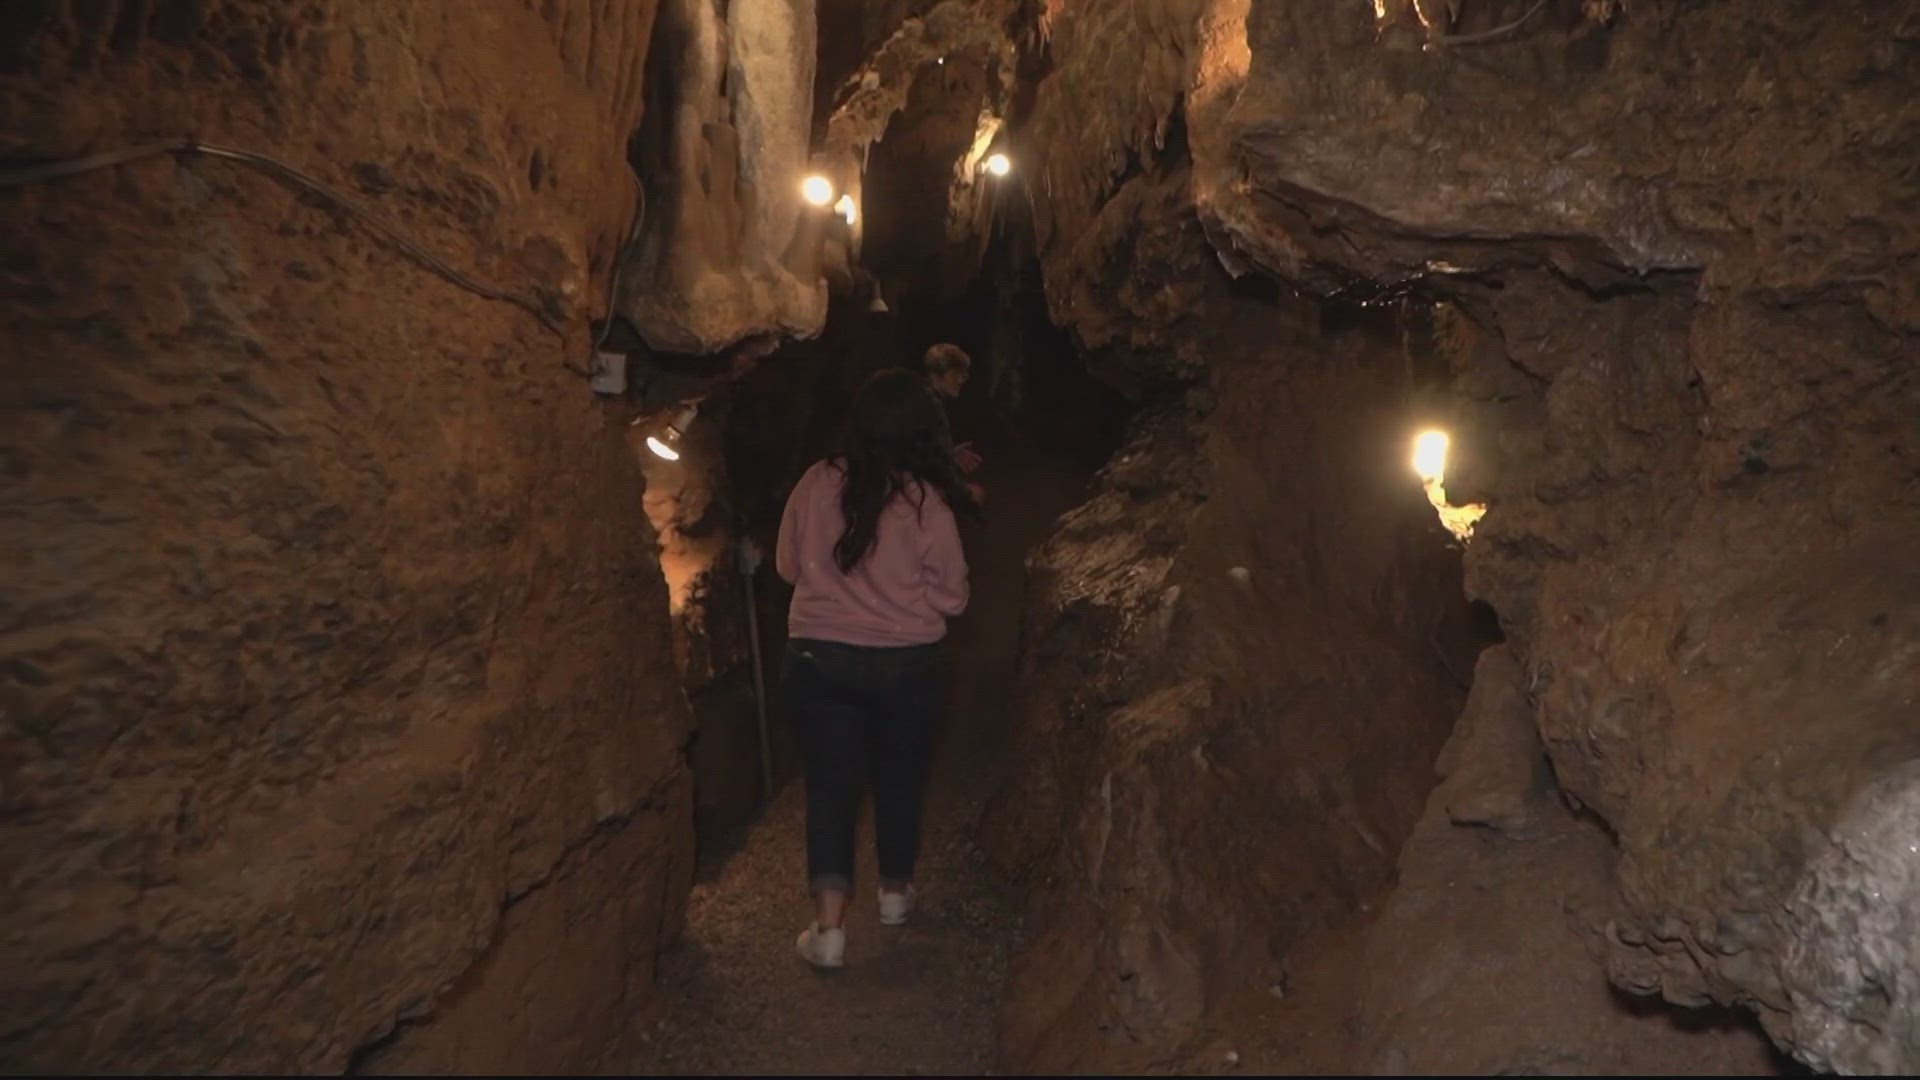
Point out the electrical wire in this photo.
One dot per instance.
(1447, 41)
(619, 263)
(17, 175)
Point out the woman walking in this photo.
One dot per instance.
(870, 543)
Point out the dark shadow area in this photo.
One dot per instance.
(1710, 1019)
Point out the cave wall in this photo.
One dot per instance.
(340, 724)
(850, 31)
(1671, 247)
(1236, 659)
(728, 249)
(1684, 232)
(690, 505)
(1487, 959)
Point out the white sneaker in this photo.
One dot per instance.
(824, 948)
(895, 906)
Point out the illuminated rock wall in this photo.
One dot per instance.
(335, 690)
(1664, 247)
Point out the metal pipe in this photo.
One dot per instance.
(749, 563)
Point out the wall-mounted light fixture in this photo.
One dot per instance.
(817, 190)
(1430, 465)
(666, 444)
(1430, 456)
(998, 164)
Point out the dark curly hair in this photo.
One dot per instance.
(896, 433)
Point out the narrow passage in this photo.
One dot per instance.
(923, 998)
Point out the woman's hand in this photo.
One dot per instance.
(966, 457)
(979, 493)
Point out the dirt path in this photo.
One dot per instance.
(920, 999)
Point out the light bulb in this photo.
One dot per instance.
(1430, 464)
(1430, 456)
(998, 165)
(817, 190)
(666, 445)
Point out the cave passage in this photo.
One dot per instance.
(924, 998)
(398, 400)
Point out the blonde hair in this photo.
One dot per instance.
(945, 357)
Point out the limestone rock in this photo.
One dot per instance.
(1668, 249)
(334, 671)
(1494, 768)
(729, 250)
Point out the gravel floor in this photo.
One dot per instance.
(917, 999)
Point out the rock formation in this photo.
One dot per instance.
(1664, 249)
(728, 248)
(343, 698)
(340, 727)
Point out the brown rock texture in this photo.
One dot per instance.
(728, 250)
(1493, 770)
(1236, 666)
(1666, 250)
(335, 689)
(1487, 962)
(694, 505)
(1488, 958)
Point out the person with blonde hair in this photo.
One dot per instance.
(948, 367)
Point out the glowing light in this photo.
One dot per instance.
(817, 190)
(666, 445)
(998, 165)
(1430, 465)
(986, 132)
(846, 209)
(1430, 456)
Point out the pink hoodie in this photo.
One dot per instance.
(902, 593)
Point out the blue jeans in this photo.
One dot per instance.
(864, 715)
